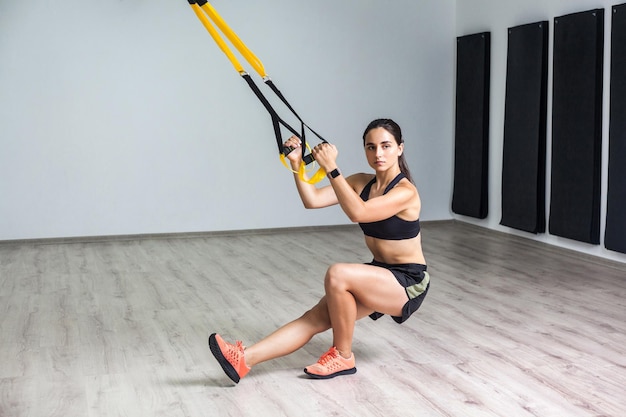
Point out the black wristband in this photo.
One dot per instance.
(333, 174)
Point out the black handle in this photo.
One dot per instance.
(307, 159)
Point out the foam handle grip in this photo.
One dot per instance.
(307, 159)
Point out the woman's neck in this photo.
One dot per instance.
(384, 178)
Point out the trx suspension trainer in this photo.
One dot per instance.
(206, 13)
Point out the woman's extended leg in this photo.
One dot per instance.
(237, 362)
(291, 336)
(352, 292)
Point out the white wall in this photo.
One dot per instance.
(122, 117)
(497, 16)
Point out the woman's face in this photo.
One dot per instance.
(381, 149)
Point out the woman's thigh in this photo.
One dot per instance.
(374, 288)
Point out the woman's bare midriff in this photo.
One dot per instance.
(403, 251)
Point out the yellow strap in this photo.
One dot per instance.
(284, 160)
(234, 39)
(217, 38)
(317, 177)
(252, 60)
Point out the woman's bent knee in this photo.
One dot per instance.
(336, 276)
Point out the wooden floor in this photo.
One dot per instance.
(511, 327)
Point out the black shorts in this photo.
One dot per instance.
(416, 282)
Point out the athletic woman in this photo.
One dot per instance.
(386, 205)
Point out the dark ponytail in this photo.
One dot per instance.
(393, 128)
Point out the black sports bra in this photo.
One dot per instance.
(393, 228)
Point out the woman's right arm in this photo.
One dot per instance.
(311, 196)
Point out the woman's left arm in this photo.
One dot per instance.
(397, 200)
(400, 198)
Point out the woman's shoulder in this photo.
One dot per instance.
(359, 180)
(361, 177)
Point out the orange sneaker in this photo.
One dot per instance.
(230, 357)
(330, 365)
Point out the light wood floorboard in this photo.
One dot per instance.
(511, 327)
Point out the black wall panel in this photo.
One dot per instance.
(471, 154)
(577, 126)
(524, 154)
(615, 235)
